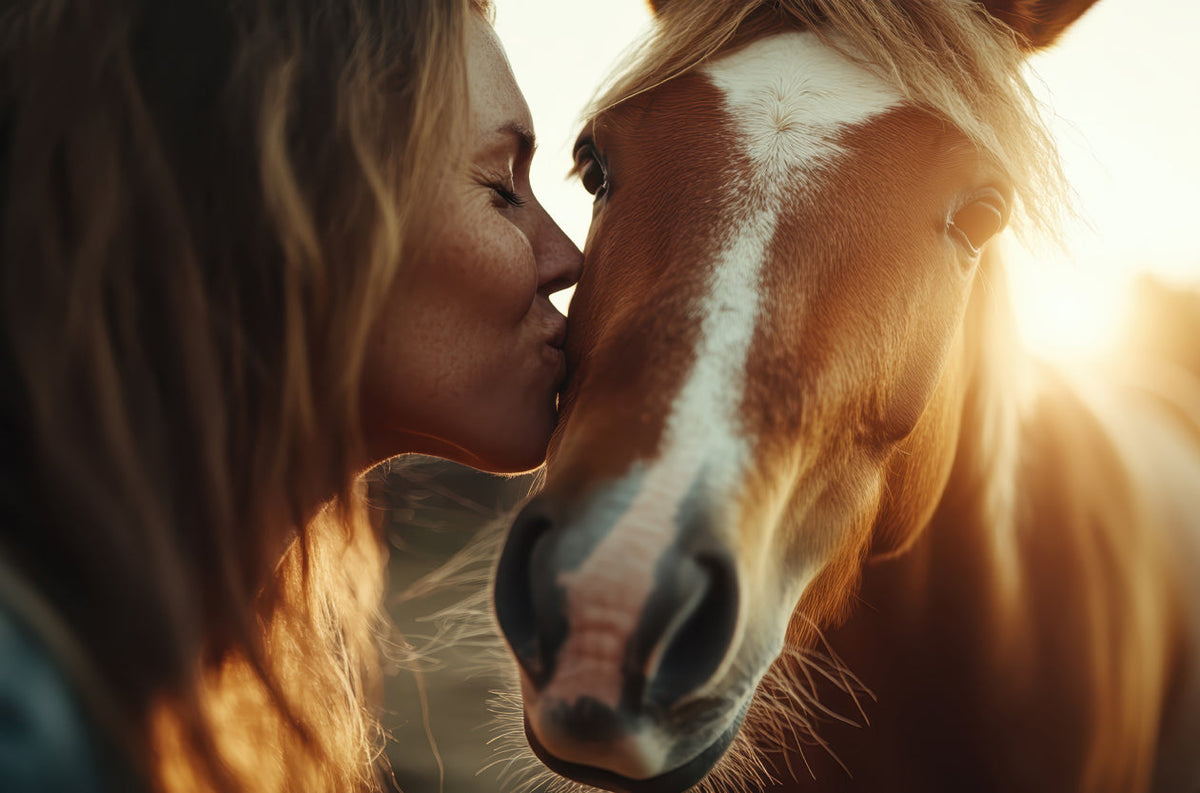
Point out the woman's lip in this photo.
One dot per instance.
(557, 359)
(561, 378)
(559, 335)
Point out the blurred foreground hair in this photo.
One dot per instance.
(204, 206)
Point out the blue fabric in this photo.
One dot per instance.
(46, 743)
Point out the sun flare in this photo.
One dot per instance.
(1066, 312)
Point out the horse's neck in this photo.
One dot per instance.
(1046, 575)
(982, 494)
(1042, 498)
(973, 525)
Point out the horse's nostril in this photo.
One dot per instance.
(694, 643)
(647, 650)
(527, 600)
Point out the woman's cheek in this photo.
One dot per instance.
(513, 272)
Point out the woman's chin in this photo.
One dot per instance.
(522, 448)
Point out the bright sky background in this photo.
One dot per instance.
(1123, 88)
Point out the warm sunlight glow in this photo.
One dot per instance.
(1066, 313)
(1125, 128)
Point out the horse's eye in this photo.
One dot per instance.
(591, 171)
(980, 220)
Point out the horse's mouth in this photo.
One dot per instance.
(676, 780)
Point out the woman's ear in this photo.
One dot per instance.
(1037, 22)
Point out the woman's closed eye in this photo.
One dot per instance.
(505, 194)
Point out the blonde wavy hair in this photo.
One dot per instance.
(203, 207)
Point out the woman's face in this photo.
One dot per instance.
(467, 359)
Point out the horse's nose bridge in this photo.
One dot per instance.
(551, 536)
(627, 601)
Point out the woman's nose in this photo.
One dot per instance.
(559, 261)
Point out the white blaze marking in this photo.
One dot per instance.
(790, 95)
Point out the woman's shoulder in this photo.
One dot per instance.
(45, 741)
(48, 742)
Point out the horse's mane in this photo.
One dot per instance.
(949, 56)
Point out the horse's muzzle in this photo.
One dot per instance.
(617, 641)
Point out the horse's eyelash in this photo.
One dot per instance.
(585, 154)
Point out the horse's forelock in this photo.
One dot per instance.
(949, 56)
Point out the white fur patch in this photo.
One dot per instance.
(792, 94)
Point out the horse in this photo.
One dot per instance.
(812, 519)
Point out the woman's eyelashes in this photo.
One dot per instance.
(502, 186)
(506, 195)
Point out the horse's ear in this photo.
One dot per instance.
(657, 6)
(1037, 22)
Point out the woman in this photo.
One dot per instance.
(249, 249)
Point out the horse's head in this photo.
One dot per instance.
(768, 369)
